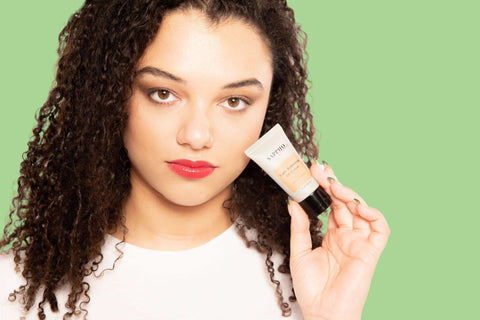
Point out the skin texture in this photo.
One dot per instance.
(332, 281)
(193, 117)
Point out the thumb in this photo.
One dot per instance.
(300, 239)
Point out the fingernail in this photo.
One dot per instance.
(325, 163)
(356, 200)
(321, 165)
(332, 180)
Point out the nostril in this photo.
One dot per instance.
(196, 137)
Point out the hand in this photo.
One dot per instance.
(332, 281)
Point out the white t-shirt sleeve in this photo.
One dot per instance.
(10, 280)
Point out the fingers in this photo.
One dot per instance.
(300, 239)
(331, 224)
(321, 172)
(358, 222)
(348, 213)
(338, 193)
(344, 209)
(378, 224)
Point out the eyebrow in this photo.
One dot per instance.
(164, 74)
(244, 83)
(158, 73)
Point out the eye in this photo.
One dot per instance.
(235, 103)
(162, 96)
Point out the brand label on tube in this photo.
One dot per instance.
(293, 173)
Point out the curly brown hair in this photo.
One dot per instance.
(74, 177)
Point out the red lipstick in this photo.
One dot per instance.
(191, 169)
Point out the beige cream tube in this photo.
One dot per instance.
(275, 154)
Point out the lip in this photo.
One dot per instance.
(191, 169)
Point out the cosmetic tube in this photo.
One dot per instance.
(275, 154)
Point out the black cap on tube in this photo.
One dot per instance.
(317, 202)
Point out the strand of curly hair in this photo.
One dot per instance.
(74, 177)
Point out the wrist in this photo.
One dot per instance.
(317, 317)
(327, 312)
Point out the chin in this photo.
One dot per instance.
(188, 202)
(190, 199)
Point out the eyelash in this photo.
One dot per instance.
(242, 99)
(151, 93)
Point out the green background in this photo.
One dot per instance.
(395, 93)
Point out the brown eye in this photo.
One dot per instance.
(233, 102)
(236, 103)
(163, 96)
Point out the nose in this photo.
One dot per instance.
(195, 130)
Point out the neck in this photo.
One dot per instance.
(153, 222)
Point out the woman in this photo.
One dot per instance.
(135, 197)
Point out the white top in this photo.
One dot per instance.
(221, 279)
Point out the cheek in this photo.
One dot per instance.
(237, 137)
(250, 129)
(146, 122)
(137, 133)
(144, 134)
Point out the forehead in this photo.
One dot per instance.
(188, 43)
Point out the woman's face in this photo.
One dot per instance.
(201, 94)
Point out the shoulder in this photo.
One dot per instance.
(11, 279)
